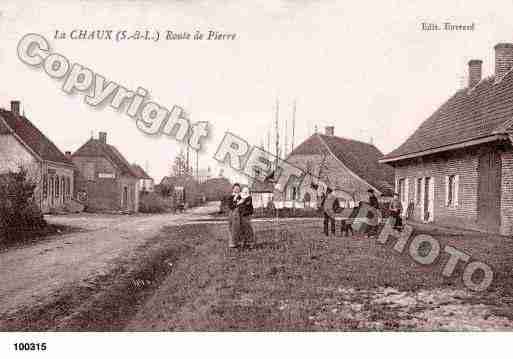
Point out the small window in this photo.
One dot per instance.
(295, 192)
(50, 186)
(45, 186)
(63, 186)
(402, 190)
(451, 190)
(68, 188)
(57, 186)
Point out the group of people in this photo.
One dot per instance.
(240, 206)
(330, 206)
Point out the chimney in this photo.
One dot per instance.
(503, 59)
(103, 137)
(15, 107)
(474, 72)
(329, 130)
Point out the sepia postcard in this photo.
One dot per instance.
(191, 176)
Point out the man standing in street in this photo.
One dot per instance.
(396, 209)
(329, 206)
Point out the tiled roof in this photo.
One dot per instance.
(96, 148)
(485, 110)
(359, 157)
(140, 172)
(32, 137)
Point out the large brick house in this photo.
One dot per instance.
(106, 177)
(457, 167)
(348, 166)
(23, 144)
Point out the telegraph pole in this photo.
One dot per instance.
(286, 144)
(293, 124)
(276, 128)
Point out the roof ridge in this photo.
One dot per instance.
(348, 139)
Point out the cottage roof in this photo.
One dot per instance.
(483, 112)
(140, 172)
(31, 136)
(359, 157)
(96, 148)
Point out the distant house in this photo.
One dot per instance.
(146, 183)
(215, 188)
(457, 167)
(348, 166)
(262, 193)
(203, 175)
(183, 189)
(106, 177)
(23, 144)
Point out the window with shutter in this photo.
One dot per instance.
(450, 186)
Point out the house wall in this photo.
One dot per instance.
(47, 195)
(336, 173)
(461, 163)
(261, 199)
(14, 155)
(42, 173)
(146, 185)
(104, 185)
(507, 192)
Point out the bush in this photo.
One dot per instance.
(154, 203)
(18, 211)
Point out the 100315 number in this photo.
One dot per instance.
(30, 346)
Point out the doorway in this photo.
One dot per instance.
(125, 197)
(489, 191)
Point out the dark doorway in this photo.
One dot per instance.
(125, 197)
(489, 191)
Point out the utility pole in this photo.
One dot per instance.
(268, 148)
(187, 159)
(286, 144)
(197, 165)
(293, 124)
(276, 129)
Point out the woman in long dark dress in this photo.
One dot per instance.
(234, 216)
(245, 206)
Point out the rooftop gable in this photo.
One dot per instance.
(96, 148)
(361, 158)
(141, 173)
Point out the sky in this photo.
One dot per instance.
(367, 68)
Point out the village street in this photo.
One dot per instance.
(174, 272)
(32, 274)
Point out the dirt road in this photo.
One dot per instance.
(35, 274)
